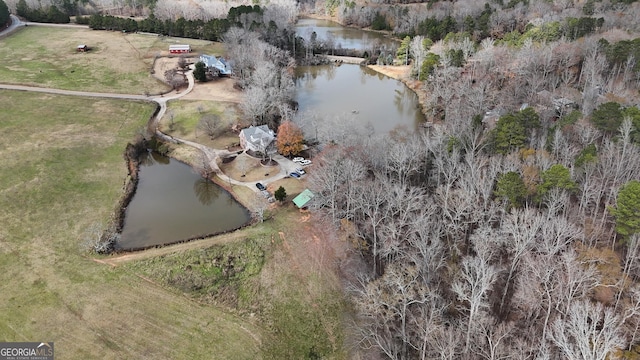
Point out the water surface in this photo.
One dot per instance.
(343, 37)
(369, 96)
(172, 203)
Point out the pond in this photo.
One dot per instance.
(343, 37)
(363, 94)
(173, 203)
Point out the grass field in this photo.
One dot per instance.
(117, 62)
(61, 170)
(182, 120)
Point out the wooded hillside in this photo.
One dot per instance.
(508, 228)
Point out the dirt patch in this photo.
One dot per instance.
(396, 72)
(251, 167)
(221, 89)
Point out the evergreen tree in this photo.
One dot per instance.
(607, 117)
(403, 51)
(280, 194)
(4, 13)
(511, 187)
(200, 72)
(627, 209)
(513, 130)
(558, 177)
(22, 9)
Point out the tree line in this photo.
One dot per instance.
(4, 14)
(195, 29)
(47, 14)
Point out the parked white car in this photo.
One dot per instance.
(300, 171)
(298, 159)
(305, 162)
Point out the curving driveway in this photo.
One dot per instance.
(286, 166)
(15, 25)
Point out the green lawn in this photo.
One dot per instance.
(269, 274)
(61, 170)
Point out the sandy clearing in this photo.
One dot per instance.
(220, 89)
(396, 72)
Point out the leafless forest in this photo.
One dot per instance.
(480, 238)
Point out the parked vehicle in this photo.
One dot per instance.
(300, 171)
(260, 186)
(305, 162)
(298, 159)
(295, 175)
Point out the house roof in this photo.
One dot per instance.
(258, 135)
(303, 198)
(219, 63)
(180, 46)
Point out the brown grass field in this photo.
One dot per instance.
(117, 62)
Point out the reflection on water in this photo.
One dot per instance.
(343, 37)
(206, 191)
(332, 91)
(172, 203)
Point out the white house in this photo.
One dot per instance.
(256, 138)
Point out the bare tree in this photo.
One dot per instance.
(521, 228)
(210, 124)
(474, 281)
(577, 279)
(259, 206)
(390, 300)
(202, 164)
(174, 78)
(255, 105)
(242, 164)
(588, 331)
(418, 52)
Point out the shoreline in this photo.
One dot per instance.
(400, 72)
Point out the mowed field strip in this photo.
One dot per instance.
(117, 62)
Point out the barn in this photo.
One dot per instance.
(179, 49)
(82, 48)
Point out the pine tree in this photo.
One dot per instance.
(200, 73)
(280, 194)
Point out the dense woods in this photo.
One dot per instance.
(506, 228)
(4, 14)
